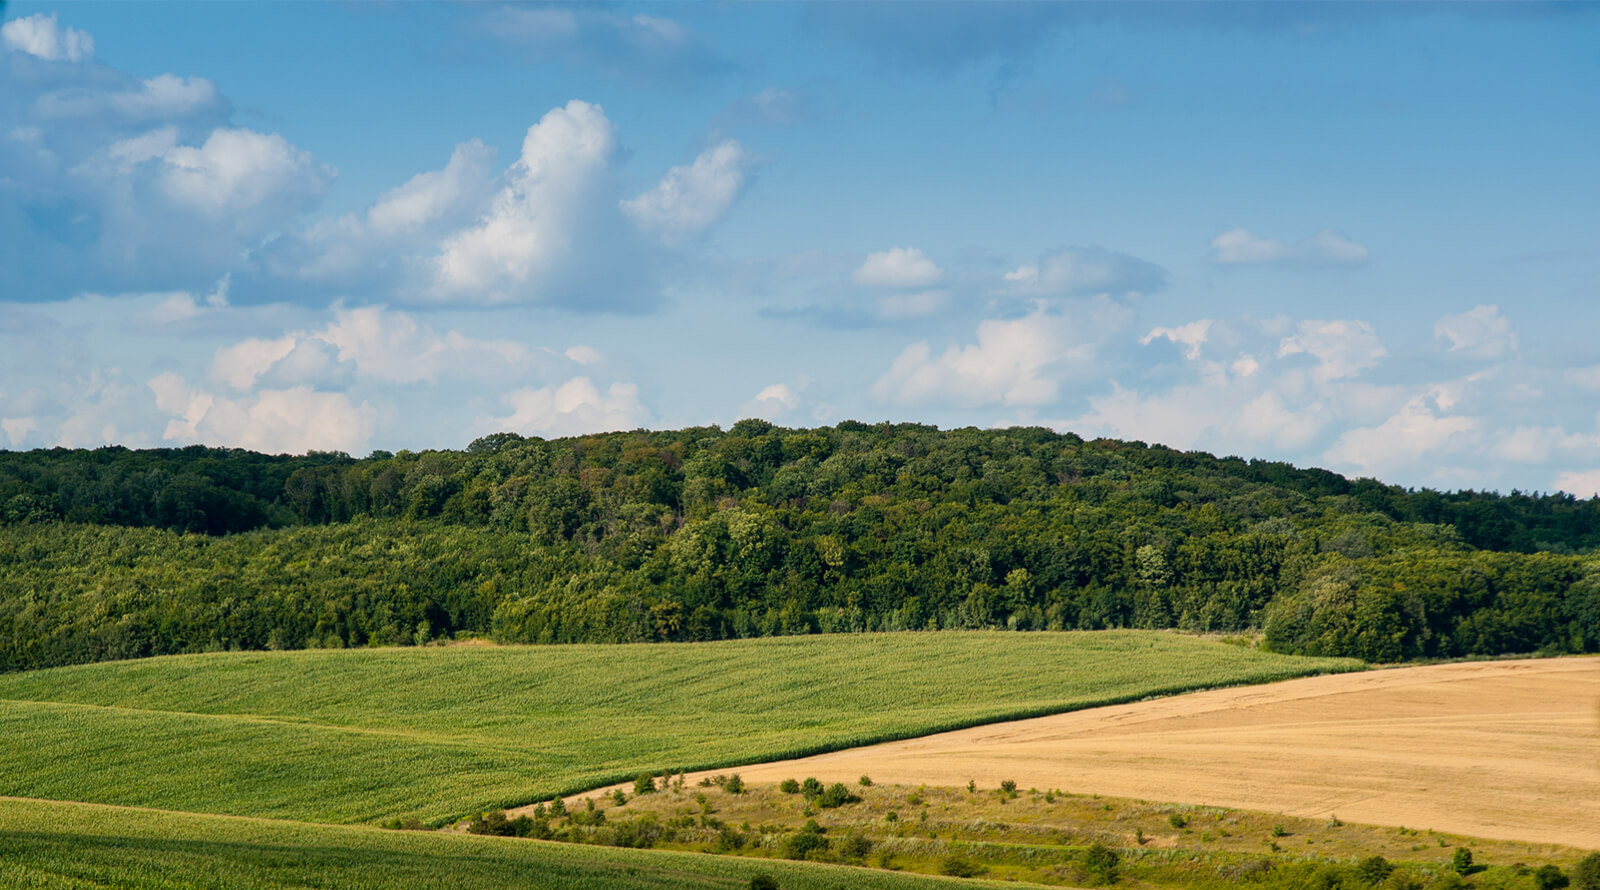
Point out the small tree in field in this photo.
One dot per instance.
(1586, 874)
(645, 784)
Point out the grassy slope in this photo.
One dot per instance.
(72, 846)
(367, 735)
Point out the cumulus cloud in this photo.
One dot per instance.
(897, 267)
(1481, 333)
(1580, 483)
(42, 36)
(1010, 365)
(1190, 336)
(160, 98)
(1342, 348)
(1420, 429)
(1325, 248)
(573, 408)
(688, 199)
(291, 421)
(773, 403)
(1078, 271)
(395, 348)
(527, 231)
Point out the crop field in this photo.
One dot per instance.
(72, 846)
(1496, 749)
(438, 732)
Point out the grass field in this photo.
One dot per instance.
(434, 733)
(78, 846)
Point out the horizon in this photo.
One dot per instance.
(1360, 238)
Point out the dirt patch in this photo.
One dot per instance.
(1501, 749)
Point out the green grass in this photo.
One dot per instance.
(72, 846)
(433, 733)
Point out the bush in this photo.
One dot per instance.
(1177, 820)
(1549, 877)
(1009, 786)
(1461, 861)
(957, 866)
(866, 781)
(645, 784)
(1586, 874)
(734, 785)
(789, 786)
(806, 841)
(1101, 863)
(1374, 869)
(854, 846)
(763, 882)
(811, 787)
(837, 795)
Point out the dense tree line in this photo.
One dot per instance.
(705, 534)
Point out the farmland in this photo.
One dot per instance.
(436, 732)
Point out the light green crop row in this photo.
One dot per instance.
(433, 733)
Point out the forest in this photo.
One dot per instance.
(704, 533)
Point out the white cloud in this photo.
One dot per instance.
(527, 230)
(1580, 483)
(574, 408)
(429, 196)
(585, 355)
(40, 35)
(241, 364)
(1415, 432)
(1342, 348)
(17, 429)
(773, 403)
(1009, 365)
(1481, 333)
(1325, 248)
(897, 267)
(1079, 271)
(392, 347)
(159, 98)
(1190, 336)
(290, 421)
(688, 199)
(236, 171)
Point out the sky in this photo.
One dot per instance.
(1360, 236)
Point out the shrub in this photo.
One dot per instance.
(1009, 786)
(866, 781)
(1374, 869)
(734, 785)
(837, 795)
(972, 786)
(645, 784)
(811, 787)
(619, 797)
(1279, 831)
(763, 882)
(789, 786)
(957, 866)
(1586, 874)
(558, 808)
(1177, 820)
(804, 842)
(855, 846)
(1101, 862)
(1462, 861)
(1549, 877)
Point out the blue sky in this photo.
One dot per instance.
(1359, 236)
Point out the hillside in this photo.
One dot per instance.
(701, 534)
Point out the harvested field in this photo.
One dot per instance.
(1501, 749)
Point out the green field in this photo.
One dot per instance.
(72, 846)
(438, 732)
